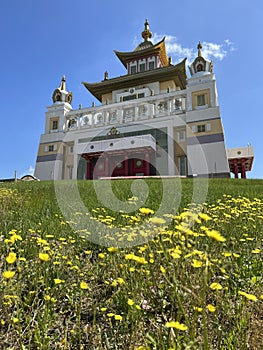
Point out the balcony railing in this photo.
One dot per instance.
(127, 112)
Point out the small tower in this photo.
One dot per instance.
(205, 133)
(61, 94)
(51, 149)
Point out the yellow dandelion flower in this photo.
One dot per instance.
(215, 235)
(227, 254)
(256, 251)
(248, 296)
(204, 217)
(43, 256)
(120, 280)
(146, 211)
(157, 221)
(58, 281)
(112, 249)
(15, 320)
(197, 263)
(215, 286)
(211, 308)
(177, 325)
(103, 309)
(199, 309)
(130, 302)
(8, 274)
(118, 317)
(110, 314)
(83, 285)
(162, 269)
(11, 258)
(101, 255)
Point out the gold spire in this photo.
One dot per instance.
(199, 47)
(146, 34)
(63, 83)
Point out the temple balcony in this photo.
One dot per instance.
(158, 106)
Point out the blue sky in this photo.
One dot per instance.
(43, 40)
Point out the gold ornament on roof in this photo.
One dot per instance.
(146, 34)
(199, 47)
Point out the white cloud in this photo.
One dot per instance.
(28, 171)
(178, 52)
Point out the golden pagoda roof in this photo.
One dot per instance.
(146, 48)
(170, 72)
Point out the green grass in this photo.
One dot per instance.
(93, 271)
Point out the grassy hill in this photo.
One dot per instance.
(155, 264)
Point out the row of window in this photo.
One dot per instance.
(141, 67)
(53, 148)
(195, 128)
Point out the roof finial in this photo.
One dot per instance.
(63, 83)
(146, 34)
(199, 47)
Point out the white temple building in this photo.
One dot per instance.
(154, 120)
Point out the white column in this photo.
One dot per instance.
(170, 140)
(75, 166)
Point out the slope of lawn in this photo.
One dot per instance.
(120, 271)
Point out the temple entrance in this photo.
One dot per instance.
(114, 165)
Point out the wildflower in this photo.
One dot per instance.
(130, 302)
(248, 296)
(43, 256)
(110, 314)
(11, 258)
(136, 258)
(256, 251)
(146, 211)
(101, 255)
(199, 309)
(157, 221)
(15, 320)
(8, 274)
(103, 309)
(118, 317)
(177, 325)
(211, 308)
(83, 285)
(215, 235)
(112, 249)
(58, 281)
(204, 216)
(162, 269)
(197, 263)
(215, 286)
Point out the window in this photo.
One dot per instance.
(54, 124)
(133, 69)
(151, 65)
(182, 165)
(181, 136)
(142, 67)
(51, 148)
(200, 100)
(201, 128)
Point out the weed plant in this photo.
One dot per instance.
(195, 281)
